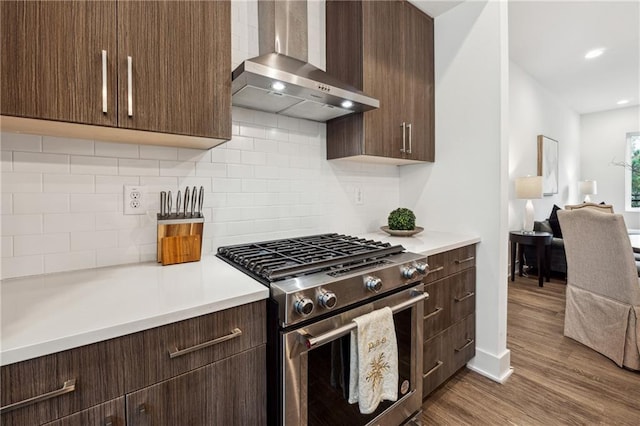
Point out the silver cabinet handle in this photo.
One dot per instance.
(466, 296)
(409, 128)
(404, 141)
(438, 269)
(435, 367)
(468, 259)
(463, 347)
(432, 314)
(104, 81)
(108, 421)
(311, 341)
(129, 86)
(174, 352)
(68, 386)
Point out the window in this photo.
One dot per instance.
(632, 171)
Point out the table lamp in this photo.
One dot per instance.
(528, 188)
(588, 187)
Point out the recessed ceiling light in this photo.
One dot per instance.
(346, 104)
(623, 101)
(594, 53)
(278, 86)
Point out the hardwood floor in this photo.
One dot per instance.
(556, 380)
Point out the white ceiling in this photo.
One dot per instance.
(549, 39)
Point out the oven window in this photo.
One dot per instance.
(328, 381)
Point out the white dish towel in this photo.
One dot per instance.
(374, 361)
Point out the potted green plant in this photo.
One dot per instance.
(402, 222)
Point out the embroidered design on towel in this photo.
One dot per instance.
(376, 372)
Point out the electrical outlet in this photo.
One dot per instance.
(134, 199)
(359, 198)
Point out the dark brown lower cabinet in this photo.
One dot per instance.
(227, 392)
(449, 316)
(110, 413)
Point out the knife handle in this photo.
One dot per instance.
(186, 200)
(169, 203)
(194, 200)
(200, 201)
(163, 203)
(178, 202)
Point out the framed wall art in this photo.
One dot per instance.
(548, 164)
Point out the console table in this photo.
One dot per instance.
(542, 242)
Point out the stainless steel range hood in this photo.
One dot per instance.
(281, 80)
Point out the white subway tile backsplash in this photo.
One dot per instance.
(115, 221)
(273, 134)
(130, 167)
(27, 245)
(239, 171)
(240, 142)
(253, 131)
(94, 165)
(137, 236)
(266, 172)
(155, 184)
(177, 168)
(40, 163)
(6, 203)
(68, 222)
(152, 152)
(20, 142)
(21, 182)
(243, 115)
(73, 184)
(114, 184)
(23, 224)
(67, 146)
(227, 185)
(265, 119)
(117, 256)
(222, 155)
(254, 185)
(7, 247)
(289, 123)
(196, 155)
(149, 252)
(256, 158)
(93, 240)
(70, 261)
(192, 181)
(22, 266)
(117, 150)
(211, 169)
(95, 203)
(6, 161)
(40, 203)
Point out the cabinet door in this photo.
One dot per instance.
(108, 414)
(228, 392)
(383, 59)
(418, 83)
(51, 58)
(180, 67)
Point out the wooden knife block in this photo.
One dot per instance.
(179, 240)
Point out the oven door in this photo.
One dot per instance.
(316, 366)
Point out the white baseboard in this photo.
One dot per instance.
(495, 367)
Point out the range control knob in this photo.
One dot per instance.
(422, 267)
(303, 306)
(327, 299)
(373, 284)
(408, 272)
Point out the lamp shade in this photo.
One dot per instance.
(529, 187)
(588, 187)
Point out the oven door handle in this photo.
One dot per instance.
(312, 342)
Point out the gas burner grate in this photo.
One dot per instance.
(294, 257)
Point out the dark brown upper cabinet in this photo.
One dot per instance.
(135, 67)
(385, 49)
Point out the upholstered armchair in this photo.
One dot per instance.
(603, 288)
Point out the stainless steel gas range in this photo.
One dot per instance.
(318, 285)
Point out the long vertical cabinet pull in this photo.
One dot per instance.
(404, 139)
(409, 128)
(129, 86)
(104, 81)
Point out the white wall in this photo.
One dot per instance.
(604, 141)
(533, 111)
(465, 190)
(62, 198)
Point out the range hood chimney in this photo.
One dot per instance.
(281, 80)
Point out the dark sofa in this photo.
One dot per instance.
(558, 258)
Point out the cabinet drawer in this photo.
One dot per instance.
(164, 352)
(437, 312)
(68, 381)
(450, 262)
(462, 342)
(435, 363)
(107, 414)
(462, 287)
(228, 392)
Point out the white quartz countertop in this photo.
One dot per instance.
(49, 313)
(427, 242)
